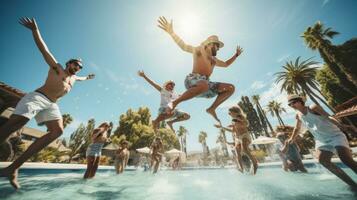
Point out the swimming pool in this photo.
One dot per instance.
(218, 184)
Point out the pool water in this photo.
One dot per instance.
(218, 184)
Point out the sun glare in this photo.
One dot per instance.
(188, 26)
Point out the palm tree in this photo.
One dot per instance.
(222, 139)
(67, 119)
(202, 139)
(276, 109)
(256, 99)
(300, 77)
(317, 38)
(181, 133)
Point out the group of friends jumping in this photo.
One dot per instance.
(42, 105)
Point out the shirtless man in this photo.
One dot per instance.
(242, 138)
(41, 103)
(167, 94)
(122, 157)
(156, 155)
(198, 83)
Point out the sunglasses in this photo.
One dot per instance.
(292, 102)
(78, 65)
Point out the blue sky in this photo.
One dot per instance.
(117, 38)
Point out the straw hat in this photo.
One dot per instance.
(168, 82)
(293, 97)
(213, 39)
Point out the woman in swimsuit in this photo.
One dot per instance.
(242, 139)
(94, 150)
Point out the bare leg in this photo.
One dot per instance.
(225, 90)
(95, 167)
(183, 118)
(55, 129)
(90, 161)
(301, 167)
(325, 160)
(161, 117)
(156, 163)
(116, 165)
(15, 123)
(251, 157)
(200, 87)
(239, 158)
(346, 157)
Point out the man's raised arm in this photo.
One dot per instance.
(151, 82)
(296, 129)
(83, 78)
(32, 25)
(167, 27)
(221, 63)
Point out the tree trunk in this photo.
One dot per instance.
(322, 100)
(266, 119)
(279, 118)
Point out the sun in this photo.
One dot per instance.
(188, 25)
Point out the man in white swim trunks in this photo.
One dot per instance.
(198, 83)
(41, 103)
(327, 134)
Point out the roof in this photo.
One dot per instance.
(10, 95)
(33, 132)
(57, 144)
(11, 91)
(347, 104)
(348, 108)
(348, 112)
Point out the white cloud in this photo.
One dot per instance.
(275, 93)
(258, 85)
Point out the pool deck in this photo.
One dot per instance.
(62, 166)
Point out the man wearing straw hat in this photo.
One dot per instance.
(198, 83)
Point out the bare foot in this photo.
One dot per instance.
(240, 169)
(255, 168)
(170, 125)
(11, 176)
(213, 113)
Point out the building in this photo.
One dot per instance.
(9, 97)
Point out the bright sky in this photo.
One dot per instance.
(117, 38)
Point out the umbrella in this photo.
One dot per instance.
(145, 150)
(264, 140)
(111, 147)
(175, 152)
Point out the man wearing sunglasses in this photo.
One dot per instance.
(198, 83)
(41, 103)
(328, 137)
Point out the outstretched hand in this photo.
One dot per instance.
(90, 76)
(28, 23)
(218, 125)
(239, 50)
(141, 73)
(165, 25)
